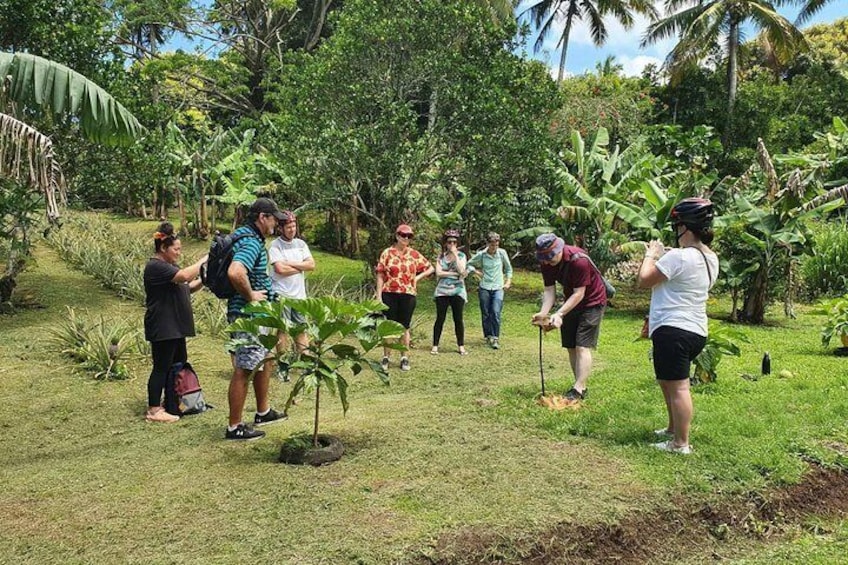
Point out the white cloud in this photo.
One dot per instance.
(633, 66)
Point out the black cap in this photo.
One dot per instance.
(266, 206)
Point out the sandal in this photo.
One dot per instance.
(161, 416)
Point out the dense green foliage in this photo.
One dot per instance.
(368, 113)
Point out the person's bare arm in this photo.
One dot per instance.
(189, 273)
(649, 276)
(238, 277)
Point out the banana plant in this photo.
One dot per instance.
(33, 85)
(193, 163)
(595, 185)
(240, 172)
(722, 341)
(776, 219)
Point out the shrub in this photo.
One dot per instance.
(98, 346)
(825, 273)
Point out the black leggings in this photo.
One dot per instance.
(165, 354)
(456, 303)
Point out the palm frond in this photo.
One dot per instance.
(39, 84)
(784, 38)
(596, 22)
(671, 26)
(26, 155)
(810, 9)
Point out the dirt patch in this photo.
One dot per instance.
(685, 529)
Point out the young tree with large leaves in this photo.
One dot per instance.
(545, 15)
(701, 26)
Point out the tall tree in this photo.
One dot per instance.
(701, 26)
(543, 15)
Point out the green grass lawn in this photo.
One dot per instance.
(456, 443)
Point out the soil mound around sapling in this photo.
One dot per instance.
(299, 450)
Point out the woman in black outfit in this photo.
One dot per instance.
(168, 319)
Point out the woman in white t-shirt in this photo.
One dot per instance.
(680, 281)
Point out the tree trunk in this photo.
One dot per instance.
(564, 40)
(8, 281)
(315, 427)
(734, 304)
(316, 26)
(181, 208)
(354, 227)
(732, 79)
(755, 298)
(204, 213)
(788, 302)
(433, 110)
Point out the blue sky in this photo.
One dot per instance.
(621, 43)
(624, 45)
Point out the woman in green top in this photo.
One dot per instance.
(451, 270)
(496, 270)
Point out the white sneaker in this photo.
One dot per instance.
(671, 448)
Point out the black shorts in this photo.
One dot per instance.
(674, 351)
(581, 328)
(401, 306)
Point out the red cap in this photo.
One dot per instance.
(404, 230)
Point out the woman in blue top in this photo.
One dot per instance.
(451, 269)
(492, 263)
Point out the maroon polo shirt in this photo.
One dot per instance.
(574, 273)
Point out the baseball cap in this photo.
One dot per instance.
(266, 206)
(548, 246)
(404, 229)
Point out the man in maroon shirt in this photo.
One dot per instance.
(579, 318)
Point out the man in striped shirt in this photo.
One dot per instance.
(249, 275)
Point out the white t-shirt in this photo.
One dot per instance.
(681, 301)
(292, 286)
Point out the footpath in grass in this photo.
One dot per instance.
(454, 452)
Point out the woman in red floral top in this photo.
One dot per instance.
(398, 271)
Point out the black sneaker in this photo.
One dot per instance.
(574, 396)
(269, 418)
(244, 432)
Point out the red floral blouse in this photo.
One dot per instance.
(399, 269)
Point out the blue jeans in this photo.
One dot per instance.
(491, 304)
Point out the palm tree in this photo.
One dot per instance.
(36, 85)
(542, 15)
(701, 25)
